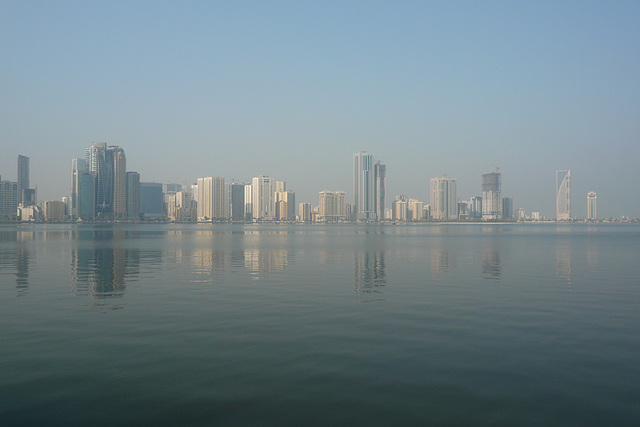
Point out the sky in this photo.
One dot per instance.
(293, 89)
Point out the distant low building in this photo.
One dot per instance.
(54, 210)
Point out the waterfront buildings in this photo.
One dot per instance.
(332, 206)
(464, 210)
(507, 208)
(248, 201)
(54, 210)
(415, 210)
(563, 194)
(305, 212)
(77, 164)
(263, 200)
(399, 208)
(23, 178)
(285, 204)
(109, 164)
(380, 171)
(476, 207)
(444, 205)
(84, 186)
(492, 196)
(119, 182)
(151, 200)
(592, 213)
(364, 187)
(133, 195)
(8, 199)
(211, 199)
(235, 194)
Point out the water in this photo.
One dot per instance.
(278, 325)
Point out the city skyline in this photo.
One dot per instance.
(102, 189)
(292, 90)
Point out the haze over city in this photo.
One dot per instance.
(293, 90)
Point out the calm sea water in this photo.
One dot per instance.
(292, 325)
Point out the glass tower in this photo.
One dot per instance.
(563, 194)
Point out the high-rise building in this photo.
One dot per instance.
(99, 162)
(444, 204)
(285, 204)
(332, 206)
(133, 195)
(248, 201)
(305, 212)
(380, 175)
(67, 203)
(507, 208)
(415, 209)
(563, 194)
(211, 199)
(54, 210)
(77, 164)
(364, 186)
(464, 210)
(591, 205)
(263, 200)
(399, 208)
(84, 184)
(151, 200)
(23, 176)
(109, 165)
(492, 195)
(8, 199)
(476, 207)
(235, 203)
(119, 183)
(186, 207)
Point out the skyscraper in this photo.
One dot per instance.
(23, 176)
(364, 186)
(235, 195)
(99, 163)
(507, 208)
(380, 175)
(263, 200)
(8, 199)
(119, 183)
(211, 198)
(331, 207)
(563, 194)
(444, 204)
(151, 200)
(84, 183)
(133, 195)
(285, 204)
(77, 164)
(591, 205)
(492, 195)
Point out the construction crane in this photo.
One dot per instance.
(497, 168)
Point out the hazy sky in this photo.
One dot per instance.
(293, 89)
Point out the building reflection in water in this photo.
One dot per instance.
(261, 253)
(18, 257)
(100, 265)
(491, 263)
(262, 263)
(210, 263)
(368, 272)
(592, 259)
(563, 263)
(443, 261)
